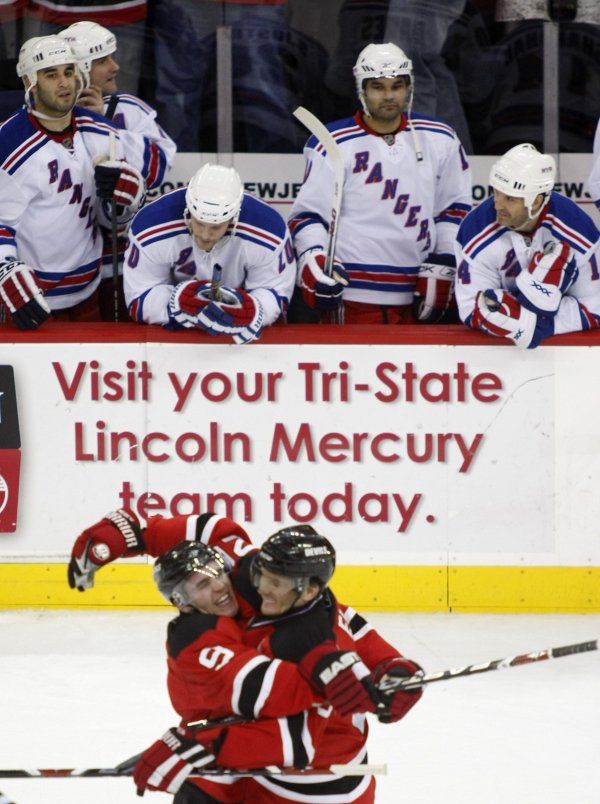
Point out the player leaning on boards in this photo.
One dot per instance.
(407, 187)
(527, 258)
(146, 145)
(210, 257)
(56, 184)
(281, 603)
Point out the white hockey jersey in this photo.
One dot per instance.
(491, 256)
(49, 212)
(257, 256)
(147, 147)
(395, 211)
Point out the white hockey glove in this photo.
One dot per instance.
(548, 277)
(319, 290)
(22, 296)
(500, 314)
(433, 291)
(238, 314)
(187, 301)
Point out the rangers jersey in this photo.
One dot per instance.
(256, 254)
(147, 147)
(395, 210)
(490, 256)
(49, 212)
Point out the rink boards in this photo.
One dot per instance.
(450, 472)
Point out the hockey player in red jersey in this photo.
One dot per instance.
(300, 622)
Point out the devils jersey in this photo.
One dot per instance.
(48, 206)
(320, 736)
(395, 210)
(491, 256)
(256, 254)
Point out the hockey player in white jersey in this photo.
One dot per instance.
(407, 187)
(146, 145)
(527, 258)
(209, 256)
(57, 179)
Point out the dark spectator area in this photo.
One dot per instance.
(227, 75)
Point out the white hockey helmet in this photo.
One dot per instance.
(41, 52)
(524, 172)
(381, 61)
(89, 41)
(214, 194)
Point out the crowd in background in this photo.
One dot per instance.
(478, 63)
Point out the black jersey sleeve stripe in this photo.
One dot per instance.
(252, 686)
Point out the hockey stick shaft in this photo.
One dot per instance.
(393, 684)
(92, 773)
(114, 237)
(336, 160)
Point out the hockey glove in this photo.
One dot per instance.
(187, 300)
(395, 703)
(548, 277)
(238, 314)
(433, 291)
(22, 296)
(119, 182)
(117, 534)
(169, 761)
(319, 290)
(500, 314)
(340, 677)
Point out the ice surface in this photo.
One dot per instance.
(87, 689)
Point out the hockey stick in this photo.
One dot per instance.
(415, 682)
(93, 773)
(336, 159)
(215, 282)
(114, 246)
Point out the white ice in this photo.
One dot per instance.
(87, 689)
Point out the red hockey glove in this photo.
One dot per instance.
(340, 677)
(119, 182)
(433, 291)
(117, 534)
(187, 300)
(398, 703)
(168, 762)
(548, 277)
(319, 290)
(237, 313)
(22, 296)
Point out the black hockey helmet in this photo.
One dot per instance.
(297, 552)
(174, 566)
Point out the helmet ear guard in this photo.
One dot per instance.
(299, 553)
(214, 195)
(524, 172)
(40, 53)
(174, 567)
(89, 41)
(382, 61)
